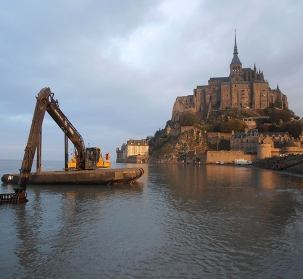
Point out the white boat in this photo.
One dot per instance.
(242, 162)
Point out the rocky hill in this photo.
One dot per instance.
(170, 146)
(172, 149)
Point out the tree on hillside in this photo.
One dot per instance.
(294, 128)
(231, 125)
(275, 115)
(277, 104)
(189, 119)
(284, 115)
(275, 128)
(160, 133)
(262, 127)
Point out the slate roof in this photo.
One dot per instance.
(290, 144)
(235, 60)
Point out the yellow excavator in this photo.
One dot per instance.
(94, 157)
(86, 158)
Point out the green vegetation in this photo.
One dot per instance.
(189, 119)
(278, 115)
(230, 125)
(157, 143)
(164, 150)
(280, 121)
(277, 104)
(227, 120)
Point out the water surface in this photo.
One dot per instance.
(177, 221)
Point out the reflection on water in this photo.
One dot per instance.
(178, 221)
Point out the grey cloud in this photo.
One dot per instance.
(116, 67)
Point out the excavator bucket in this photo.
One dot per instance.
(13, 198)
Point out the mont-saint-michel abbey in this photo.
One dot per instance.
(243, 88)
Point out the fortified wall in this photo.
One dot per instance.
(228, 156)
(250, 145)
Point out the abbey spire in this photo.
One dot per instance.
(236, 59)
(236, 65)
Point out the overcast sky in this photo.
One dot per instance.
(116, 66)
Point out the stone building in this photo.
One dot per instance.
(249, 140)
(253, 145)
(246, 141)
(268, 148)
(265, 144)
(134, 151)
(244, 88)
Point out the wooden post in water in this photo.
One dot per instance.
(66, 151)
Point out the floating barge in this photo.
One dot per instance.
(91, 177)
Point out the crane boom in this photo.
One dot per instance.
(46, 102)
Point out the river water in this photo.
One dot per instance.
(177, 221)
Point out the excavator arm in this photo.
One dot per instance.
(70, 131)
(33, 139)
(46, 102)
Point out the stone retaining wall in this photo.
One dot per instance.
(228, 156)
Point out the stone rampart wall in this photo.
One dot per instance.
(228, 156)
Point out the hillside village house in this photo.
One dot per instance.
(265, 144)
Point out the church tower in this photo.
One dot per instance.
(236, 65)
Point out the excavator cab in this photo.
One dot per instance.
(92, 155)
(93, 159)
